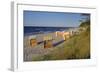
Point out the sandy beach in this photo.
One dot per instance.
(38, 50)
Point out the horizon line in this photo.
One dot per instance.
(51, 26)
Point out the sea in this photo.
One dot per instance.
(30, 30)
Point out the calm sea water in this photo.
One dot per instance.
(28, 30)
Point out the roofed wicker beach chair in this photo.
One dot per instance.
(48, 42)
(63, 34)
(33, 41)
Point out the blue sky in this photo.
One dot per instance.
(52, 19)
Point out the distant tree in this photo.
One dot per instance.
(85, 16)
(85, 20)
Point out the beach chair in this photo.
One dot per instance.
(33, 41)
(66, 35)
(48, 42)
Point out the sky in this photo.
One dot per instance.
(51, 19)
